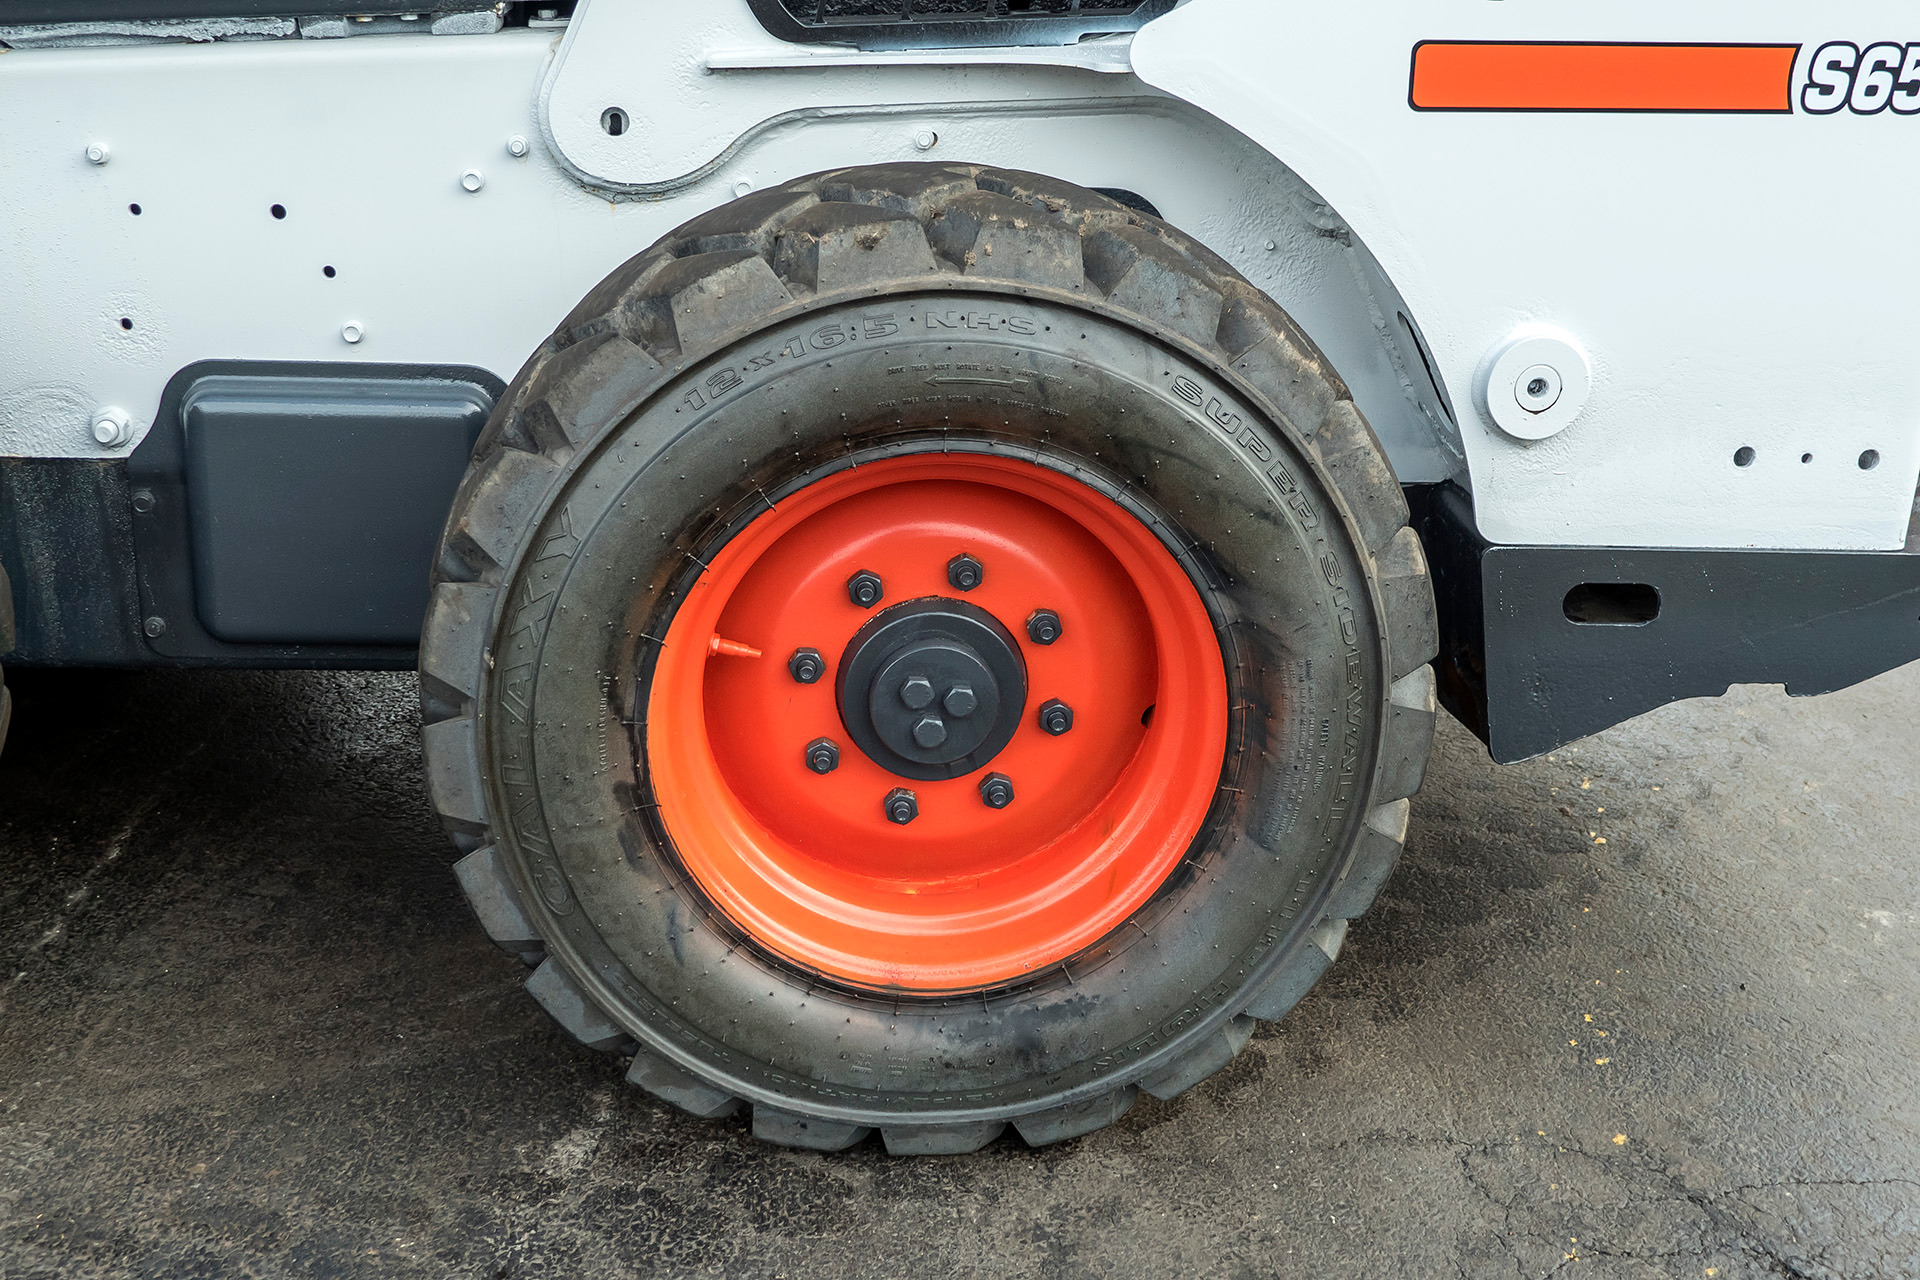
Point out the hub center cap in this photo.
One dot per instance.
(932, 688)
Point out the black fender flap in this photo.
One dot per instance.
(1540, 646)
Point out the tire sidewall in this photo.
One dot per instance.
(1236, 493)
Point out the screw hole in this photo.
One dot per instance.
(126, 322)
(1806, 457)
(1538, 387)
(1870, 459)
(278, 211)
(328, 272)
(134, 209)
(1743, 456)
(614, 121)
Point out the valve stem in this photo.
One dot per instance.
(731, 649)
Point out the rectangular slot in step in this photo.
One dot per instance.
(1612, 604)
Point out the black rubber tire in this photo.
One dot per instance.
(774, 340)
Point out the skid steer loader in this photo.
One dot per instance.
(933, 532)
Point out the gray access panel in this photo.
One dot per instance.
(315, 503)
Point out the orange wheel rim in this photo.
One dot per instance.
(964, 895)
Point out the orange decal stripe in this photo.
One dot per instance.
(1474, 76)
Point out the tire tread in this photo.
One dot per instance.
(855, 232)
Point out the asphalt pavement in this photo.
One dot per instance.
(1649, 1007)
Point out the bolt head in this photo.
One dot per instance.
(930, 732)
(964, 573)
(143, 500)
(823, 755)
(917, 693)
(1537, 388)
(926, 140)
(155, 627)
(112, 428)
(996, 791)
(352, 331)
(864, 589)
(472, 180)
(1056, 717)
(1043, 627)
(806, 666)
(961, 701)
(97, 152)
(516, 146)
(901, 806)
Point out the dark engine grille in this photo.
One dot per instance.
(919, 24)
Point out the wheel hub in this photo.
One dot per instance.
(932, 688)
(897, 792)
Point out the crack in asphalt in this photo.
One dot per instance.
(1735, 1231)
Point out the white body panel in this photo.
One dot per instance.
(1694, 257)
(364, 142)
(1739, 281)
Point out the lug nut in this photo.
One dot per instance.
(806, 666)
(960, 701)
(823, 755)
(965, 573)
(917, 693)
(864, 589)
(930, 732)
(901, 806)
(1056, 717)
(1043, 627)
(996, 790)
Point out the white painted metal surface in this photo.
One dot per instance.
(1741, 281)
(1695, 258)
(360, 143)
(1109, 54)
(366, 144)
(698, 80)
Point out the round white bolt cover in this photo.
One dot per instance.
(516, 145)
(473, 180)
(97, 152)
(742, 187)
(926, 140)
(1537, 383)
(353, 331)
(112, 428)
